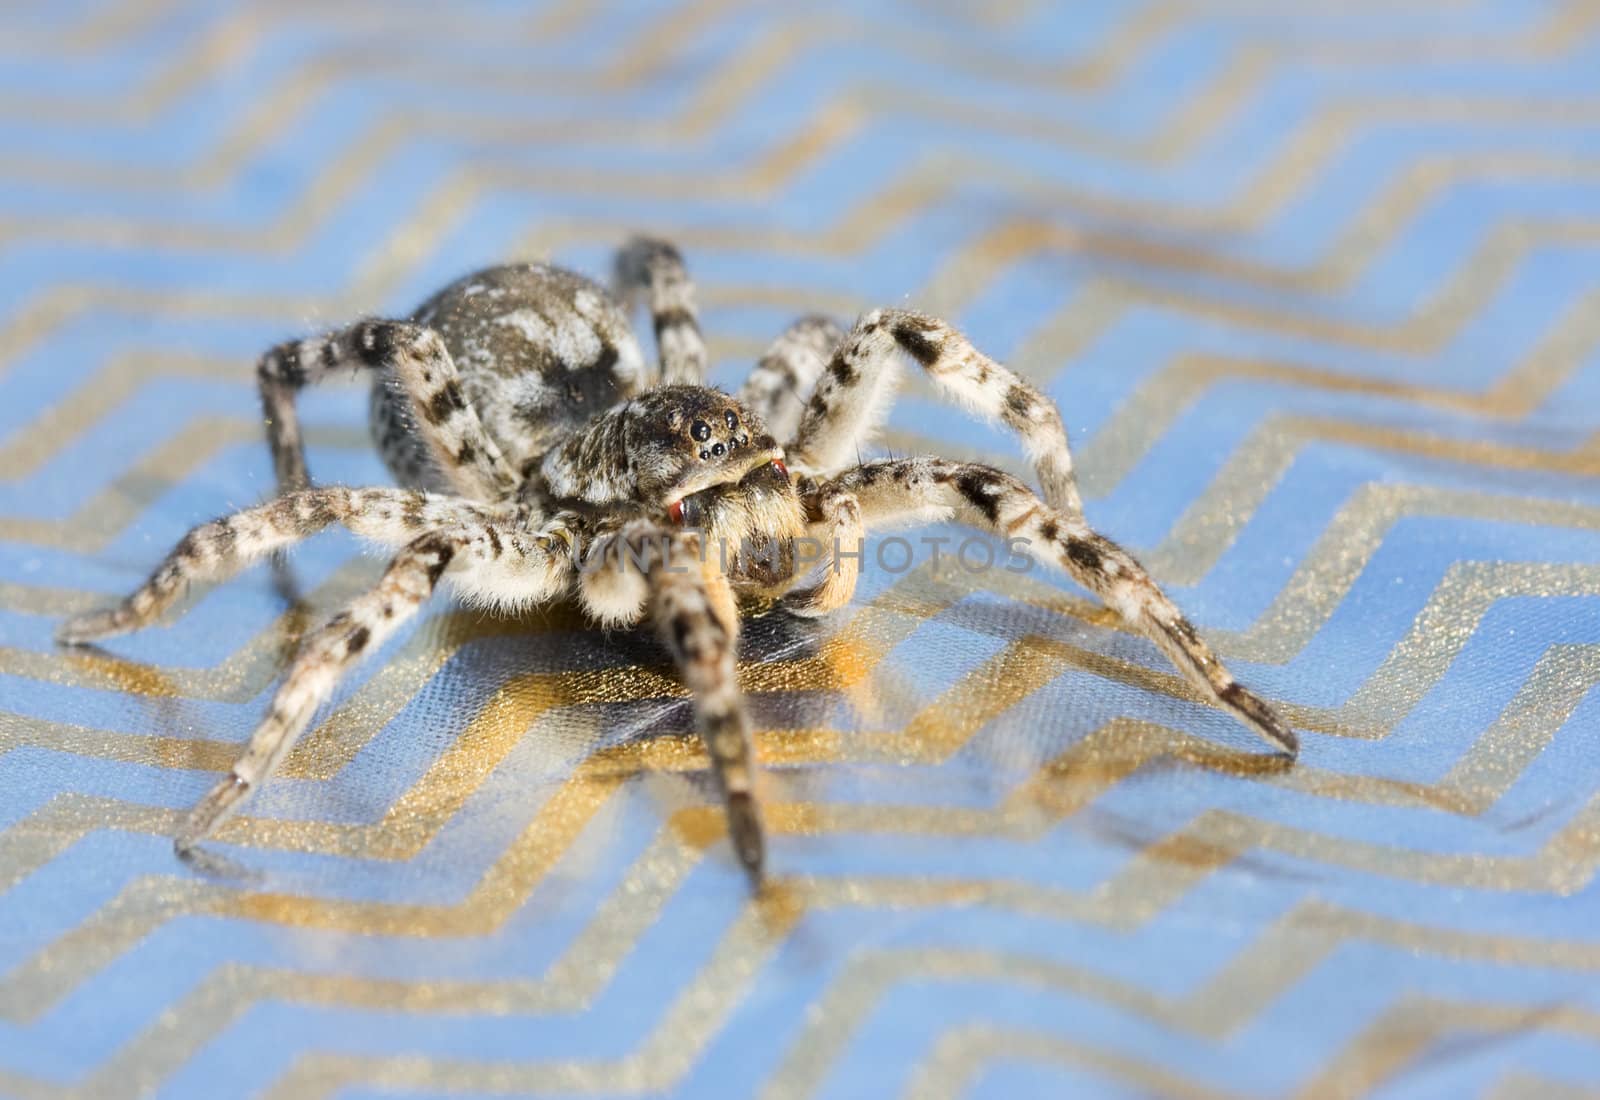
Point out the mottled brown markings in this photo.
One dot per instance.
(320, 510)
(442, 551)
(783, 368)
(982, 491)
(358, 639)
(913, 335)
(674, 317)
(281, 514)
(445, 402)
(1084, 555)
(1242, 700)
(189, 545)
(412, 511)
(279, 366)
(1019, 401)
(681, 631)
(377, 342)
(1019, 522)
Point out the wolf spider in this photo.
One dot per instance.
(541, 460)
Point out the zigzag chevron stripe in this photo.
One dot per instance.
(1241, 992)
(1473, 785)
(1315, 291)
(871, 219)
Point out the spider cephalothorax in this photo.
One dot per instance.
(542, 462)
(671, 448)
(701, 461)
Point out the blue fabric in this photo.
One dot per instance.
(1315, 288)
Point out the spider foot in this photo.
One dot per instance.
(207, 814)
(213, 865)
(1261, 718)
(91, 626)
(744, 829)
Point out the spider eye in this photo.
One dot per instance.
(777, 464)
(732, 421)
(700, 430)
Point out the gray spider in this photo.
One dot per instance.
(541, 461)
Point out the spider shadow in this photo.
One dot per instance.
(1200, 733)
(220, 868)
(770, 638)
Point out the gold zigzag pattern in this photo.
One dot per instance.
(1424, 630)
(1280, 957)
(1474, 283)
(1449, 311)
(210, 54)
(1061, 788)
(1405, 1030)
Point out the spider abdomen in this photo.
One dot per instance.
(539, 350)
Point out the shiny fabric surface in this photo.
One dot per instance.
(1316, 289)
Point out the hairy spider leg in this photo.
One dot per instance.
(655, 269)
(416, 357)
(853, 393)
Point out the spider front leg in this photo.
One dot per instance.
(416, 357)
(489, 563)
(787, 371)
(836, 530)
(933, 489)
(853, 393)
(661, 573)
(656, 268)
